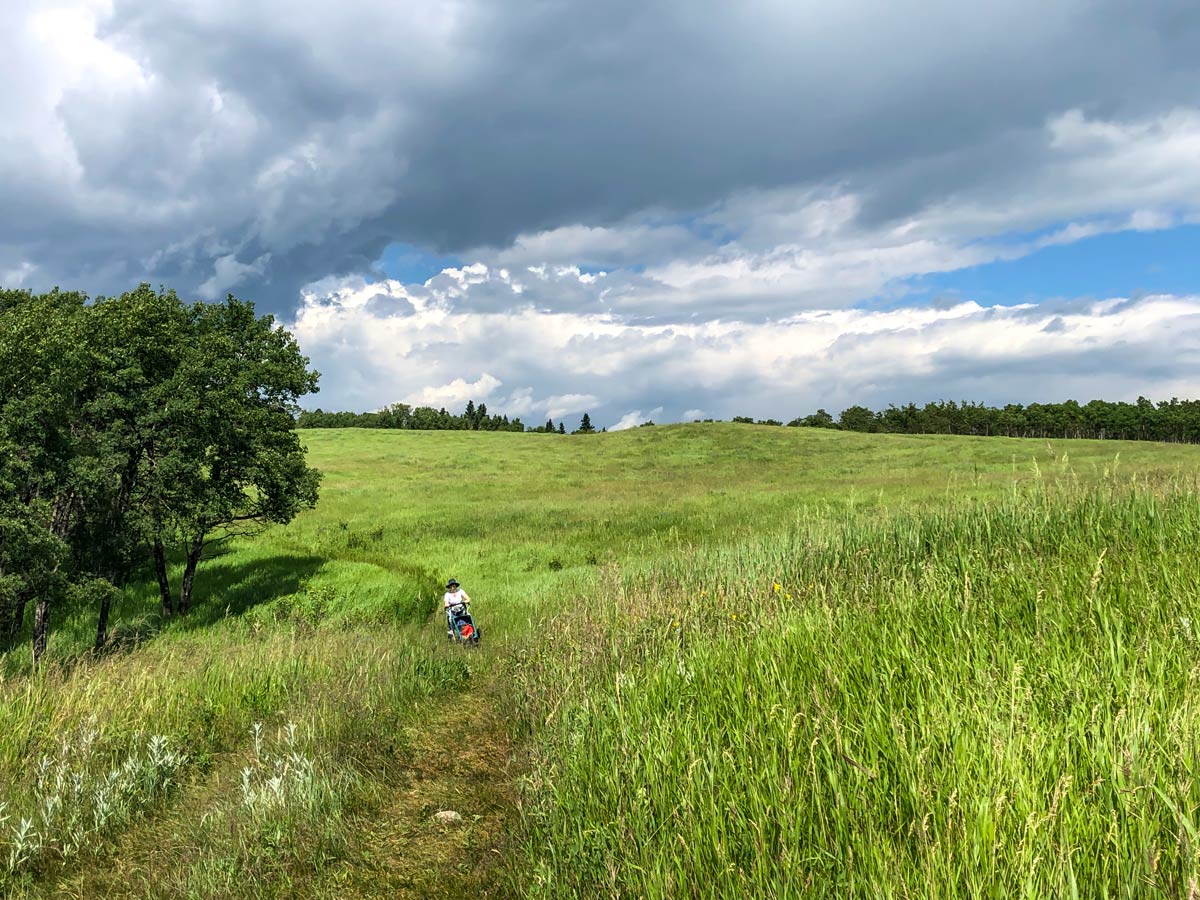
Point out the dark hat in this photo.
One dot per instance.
(451, 583)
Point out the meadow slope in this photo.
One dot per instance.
(718, 660)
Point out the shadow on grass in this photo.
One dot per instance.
(222, 589)
(227, 586)
(226, 589)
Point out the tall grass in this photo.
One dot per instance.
(77, 763)
(936, 641)
(286, 815)
(989, 700)
(76, 797)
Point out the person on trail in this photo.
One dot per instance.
(454, 594)
(453, 597)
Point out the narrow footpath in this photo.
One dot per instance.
(461, 760)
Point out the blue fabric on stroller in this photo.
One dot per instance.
(460, 626)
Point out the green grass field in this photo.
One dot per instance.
(718, 661)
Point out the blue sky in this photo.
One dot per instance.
(1122, 264)
(1118, 264)
(410, 264)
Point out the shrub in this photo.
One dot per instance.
(79, 792)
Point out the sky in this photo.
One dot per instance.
(643, 210)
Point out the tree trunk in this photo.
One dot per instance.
(102, 620)
(41, 626)
(189, 573)
(164, 586)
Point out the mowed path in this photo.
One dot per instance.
(462, 759)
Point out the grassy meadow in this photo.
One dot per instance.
(718, 661)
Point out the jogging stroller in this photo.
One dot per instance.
(460, 626)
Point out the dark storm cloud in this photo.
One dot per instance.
(264, 146)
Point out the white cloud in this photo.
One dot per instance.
(565, 363)
(614, 246)
(559, 405)
(797, 247)
(156, 140)
(456, 393)
(804, 249)
(616, 269)
(228, 273)
(16, 276)
(635, 418)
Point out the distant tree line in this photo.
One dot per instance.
(1172, 420)
(136, 431)
(415, 418)
(426, 418)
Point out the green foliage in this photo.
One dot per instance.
(819, 419)
(747, 420)
(1173, 420)
(659, 732)
(78, 794)
(421, 418)
(979, 700)
(857, 418)
(131, 426)
(42, 385)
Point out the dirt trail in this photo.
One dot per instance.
(461, 762)
(459, 759)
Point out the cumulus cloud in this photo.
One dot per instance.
(635, 418)
(456, 393)
(262, 146)
(767, 252)
(228, 273)
(566, 363)
(663, 205)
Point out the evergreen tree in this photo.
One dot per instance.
(585, 425)
(561, 429)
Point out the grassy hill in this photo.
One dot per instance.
(719, 661)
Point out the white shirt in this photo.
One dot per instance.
(453, 598)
